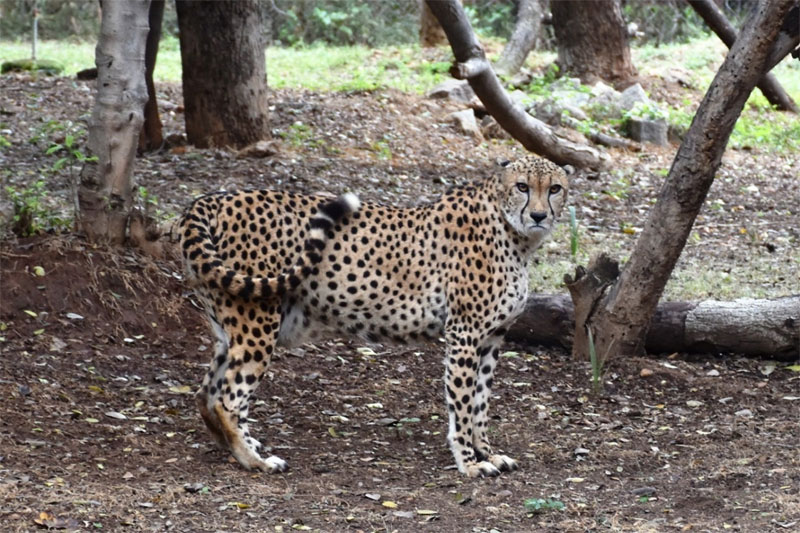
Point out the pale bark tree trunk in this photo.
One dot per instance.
(769, 85)
(592, 41)
(619, 316)
(472, 65)
(105, 194)
(762, 328)
(152, 137)
(431, 33)
(224, 72)
(523, 39)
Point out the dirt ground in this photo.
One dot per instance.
(101, 355)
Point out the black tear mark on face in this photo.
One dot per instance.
(525, 207)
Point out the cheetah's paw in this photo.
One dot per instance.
(481, 469)
(274, 464)
(503, 463)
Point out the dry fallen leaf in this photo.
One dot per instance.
(47, 520)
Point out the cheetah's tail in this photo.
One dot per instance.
(244, 286)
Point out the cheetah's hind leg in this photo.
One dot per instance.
(233, 380)
(204, 398)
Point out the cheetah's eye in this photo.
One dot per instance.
(522, 187)
(555, 189)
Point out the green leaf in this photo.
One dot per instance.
(538, 505)
(60, 163)
(68, 141)
(53, 149)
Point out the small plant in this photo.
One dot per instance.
(382, 149)
(68, 153)
(31, 216)
(148, 201)
(300, 135)
(541, 85)
(573, 232)
(597, 365)
(48, 128)
(645, 110)
(541, 505)
(147, 198)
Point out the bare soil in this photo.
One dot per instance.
(101, 355)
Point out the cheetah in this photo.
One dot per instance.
(271, 266)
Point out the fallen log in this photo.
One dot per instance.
(763, 328)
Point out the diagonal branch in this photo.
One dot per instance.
(472, 65)
(769, 84)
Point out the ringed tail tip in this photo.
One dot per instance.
(352, 201)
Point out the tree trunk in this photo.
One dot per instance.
(106, 192)
(592, 41)
(762, 328)
(769, 85)
(620, 316)
(224, 72)
(472, 65)
(431, 33)
(523, 39)
(151, 137)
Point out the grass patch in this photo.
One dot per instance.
(758, 126)
(76, 56)
(353, 68)
(314, 68)
(404, 68)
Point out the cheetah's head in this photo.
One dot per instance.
(532, 193)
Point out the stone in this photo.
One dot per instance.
(259, 149)
(455, 90)
(631, 96)
(492, 130)
(651, 131)
(604, 101)
(465, 120)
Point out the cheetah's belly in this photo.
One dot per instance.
(385, 316)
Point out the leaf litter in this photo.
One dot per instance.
(643, 429)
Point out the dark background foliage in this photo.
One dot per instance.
(347, 22)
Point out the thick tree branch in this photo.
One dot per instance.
(769, 84)
(471, 64)
(788, 38)
(523, 39)
(623, 315)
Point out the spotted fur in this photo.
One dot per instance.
(270, 266)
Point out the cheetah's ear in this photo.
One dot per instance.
(569, 169)
(503, 162)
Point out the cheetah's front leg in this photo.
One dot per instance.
(489, 353)
(460, 386)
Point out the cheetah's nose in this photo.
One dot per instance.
(538, 216)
